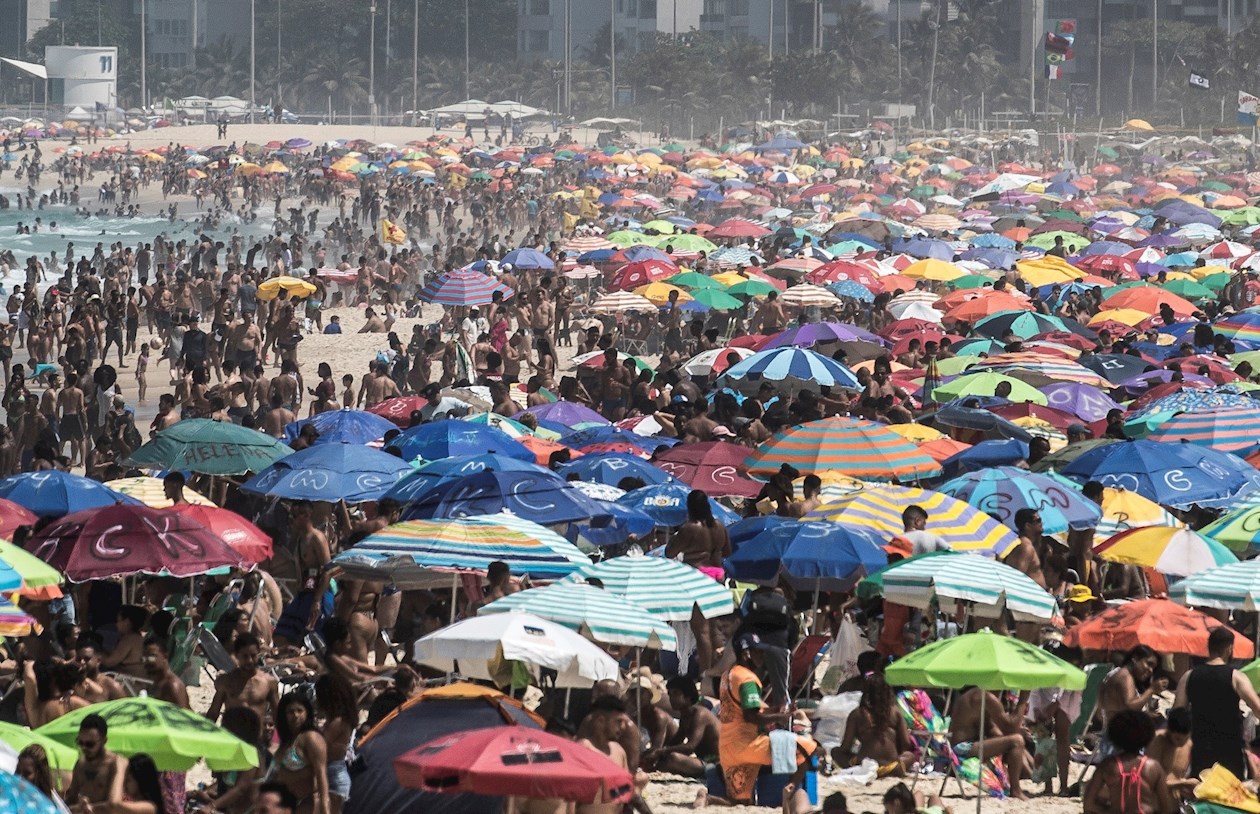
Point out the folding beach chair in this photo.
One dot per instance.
(930, 732)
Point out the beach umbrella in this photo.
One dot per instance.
(715, 360)
(13, 516)
(446, 439)
(1004, 490)
(622, 301)
(18, 794)
(152, 492)
(854, 447)
(121, 540)
(611, 468)
(591, 611)
(468, 646)
(1062, 457)
(297, 289)
(525, 763)
(1178, 552)
(666, 504)
(810, 555)
(52, 493)
(60, 757)
(814, 333)
(1225, 429)
(1084, 401)
(242, 536)
(987, 660)
(19, 569)
(988, 585)
(527, 258)
(1237, 530)
(427, 553)
(582, 439)
(1197, 400)
(1027, 324)
(541, 497)
(570, 414)
(398, 410)
(666, 589)
(1177, 475)
(985, 383)
(330, 472)
(1233, 586)
(792, 369)
(342, 427)
(713, 467)
(1158, 623)
(463, 286)
(642, 273)
(176, 738)
(443, 469)
(962, 527)
(209, 448)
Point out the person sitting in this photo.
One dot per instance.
(1002, 736)
(1129, 782)
(879, 730)
(694, 745)
(1170, 748)
(128, 654)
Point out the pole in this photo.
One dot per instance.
(770, 34)
(372, 64)
(279, 26)
(1032, 61)
(612, 54)
(467, 52)
(984, 695)
(98, 22)
(193, 50)
(1098, 64)
(144, 42)
(936, 37)
(253, 99)
(568, 57)
(898, 52)
(415, 63)
(389, 10)
(1154, 54)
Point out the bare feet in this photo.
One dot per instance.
(702, 799)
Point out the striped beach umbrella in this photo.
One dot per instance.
(594, 612)
(619, 301)
(1243, 326)
(715, 360)
(990, 585)
(1230, 429)
(1002, 491)
(425, 553)
(1239, 530)
(664, 588)
(14, 621)
(1123, 510)
(962, 527)
(1176, 552)
(1234, 586)
(849, 446)
(792, 369)
(463, 287)
(806, 295)
(152, 493)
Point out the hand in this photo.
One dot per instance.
(1159, 685)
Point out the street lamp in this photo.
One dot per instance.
(372, 66)
(144, 63)
(467, 52)
(253, 99)
(415, 62)
(612, 54)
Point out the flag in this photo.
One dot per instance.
(1248, 107)
(1054, 71)
(1199, 81)
(392, 232)
(1057, 44)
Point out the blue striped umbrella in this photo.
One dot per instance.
(664, 588)
(793, 368)
(1226, 429)
(602, 615)
(463, 287)
(424, 553)
(1002, 491)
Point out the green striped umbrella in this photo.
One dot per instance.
(664, 588)
(1235, 586)
(854, 447)
(604, 616)
(989, 584)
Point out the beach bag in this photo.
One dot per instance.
(768, 609)
(850, 643)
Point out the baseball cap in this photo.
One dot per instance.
(748, 641)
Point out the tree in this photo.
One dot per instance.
(77, 25)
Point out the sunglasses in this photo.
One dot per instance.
(88, 744)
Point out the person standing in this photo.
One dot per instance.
(1212, 692)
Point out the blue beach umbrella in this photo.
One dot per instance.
(666, 504)
(448, 439)
(342, 427)
(541, 497)
(1004, 490)
(609, 468)
(818, 555)
(51, 493)
(330, 472)
(1171, 474)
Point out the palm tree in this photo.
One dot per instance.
(332, 80)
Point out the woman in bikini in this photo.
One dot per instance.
(302, 757)
(880, 731)
(1129, 782)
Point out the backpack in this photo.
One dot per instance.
(768, 609)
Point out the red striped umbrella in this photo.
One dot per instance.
(463, 287)
(853, 447)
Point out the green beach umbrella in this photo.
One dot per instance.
(594, 612)
(955, 365)
(1189, 289)
(694, 280)
(688, 243)
(61, 757)
(209, 448)
(35, 573)
(972, 281)
(663, 227)
(1239, 530)
(717, 300)
(988, 661)
(625, 239)
(176, 738)
(988, 584)
(984, 384)
(752, 288)
(1215, 282)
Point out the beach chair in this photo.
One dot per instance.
(930, 732)
(132, 684)
(1082, 753)
(806, 656)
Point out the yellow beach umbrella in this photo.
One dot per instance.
(658, 293)
(270, 289)
(151, 492)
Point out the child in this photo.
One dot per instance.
(1130, 782)
(142, 365)
(347, 395)
(900, 800)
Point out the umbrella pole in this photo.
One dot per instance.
(984, 694)
(817, 585)
(454, 594)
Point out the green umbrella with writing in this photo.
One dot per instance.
(209, 448)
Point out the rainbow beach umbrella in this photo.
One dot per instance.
(962, 527)
(848, 446)
(1228, 429)
(1176, 552)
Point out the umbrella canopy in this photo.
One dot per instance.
(152, 492)
(1158, 623)
(31, 572)
(298, 289)
(119, 540)
(398, 410)
(811, 555)
(330, 472)
(342, 427)
(572, 415)
(209, 448)
(424, 553)
(13, 516)
(664, 588)
(453, 438)
(1004, 490)
(1177, 552)
(794, 369)
(242, 536)
(1225, 429)
(666, 504)
(1235, 586)
(962, 527)
(594, 612)
(176, 738)
(463, 286)
(1238, 530)
(60, 757)
(986, 383)
(17, 794)
(854, 447)
(1177, 475)
(541, 496)
(52, 493)
(713, 467)
(443, 469)
(989, 585)
(986, 660)
(514, 761)
(515, 636)
(610, 468)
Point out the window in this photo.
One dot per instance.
(737, 8)
(537, 42)
(540, 8)
(647, 9)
